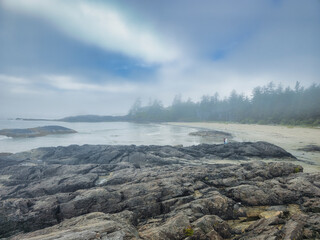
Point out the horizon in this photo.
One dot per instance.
(178, 97)
(61, 58)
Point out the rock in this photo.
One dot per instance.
(275, 191)
(269, 214)
(239, 226)
(151, 155)
(310, 221)
(36, 132)
(216, 136)
(213, 235)
(253, 212)
(311, 205)
(155, 192)
(264, 229)
(292, 230)
(212, 222)
(310, 148)
(174, 228)
(308, 234)
(90, 226)
(5, 162)
(238, 150)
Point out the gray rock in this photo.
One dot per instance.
(215, 136)
(310, 148)
(90, 226)
(212, 222)
(149, 155)
(293, 230)
(35, 132)
(153, 192)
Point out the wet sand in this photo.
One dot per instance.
(289, 138)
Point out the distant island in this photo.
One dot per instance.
(94, 118)
(82, 118)
(36, 132)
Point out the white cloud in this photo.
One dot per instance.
(53, 83)
(13, 79)
(101, 25)
(69, 83)
(55, 96)
(281, 48)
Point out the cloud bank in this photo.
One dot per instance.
(101, 25)
(97, 57)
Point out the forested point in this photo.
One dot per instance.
(267, 105)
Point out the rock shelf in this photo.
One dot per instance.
(157, 192)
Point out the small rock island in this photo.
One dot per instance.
(35, 132)
(216, 136)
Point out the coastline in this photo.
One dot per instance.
(289, 138)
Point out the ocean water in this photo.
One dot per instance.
(110, 133)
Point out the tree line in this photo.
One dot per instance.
(267, 105)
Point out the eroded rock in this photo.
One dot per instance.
(154, 192)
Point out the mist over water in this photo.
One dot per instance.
(109, 133)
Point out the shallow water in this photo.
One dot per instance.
(111, 133)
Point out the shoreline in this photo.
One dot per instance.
(292, 139)
(289, 138)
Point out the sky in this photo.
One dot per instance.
(63, 57)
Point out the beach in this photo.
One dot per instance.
(289, 138)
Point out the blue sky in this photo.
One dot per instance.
(64, 57)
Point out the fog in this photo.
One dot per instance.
(61, 58)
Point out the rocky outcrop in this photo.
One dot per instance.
(213, 135)
(35, 132)
(151, 155)
(154, 192)
(94, 225)
(310, 148)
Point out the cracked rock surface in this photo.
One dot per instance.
(157, 192)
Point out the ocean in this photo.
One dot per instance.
(109, 133)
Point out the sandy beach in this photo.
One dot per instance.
(289, 138)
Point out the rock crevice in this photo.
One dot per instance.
(156, 192)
